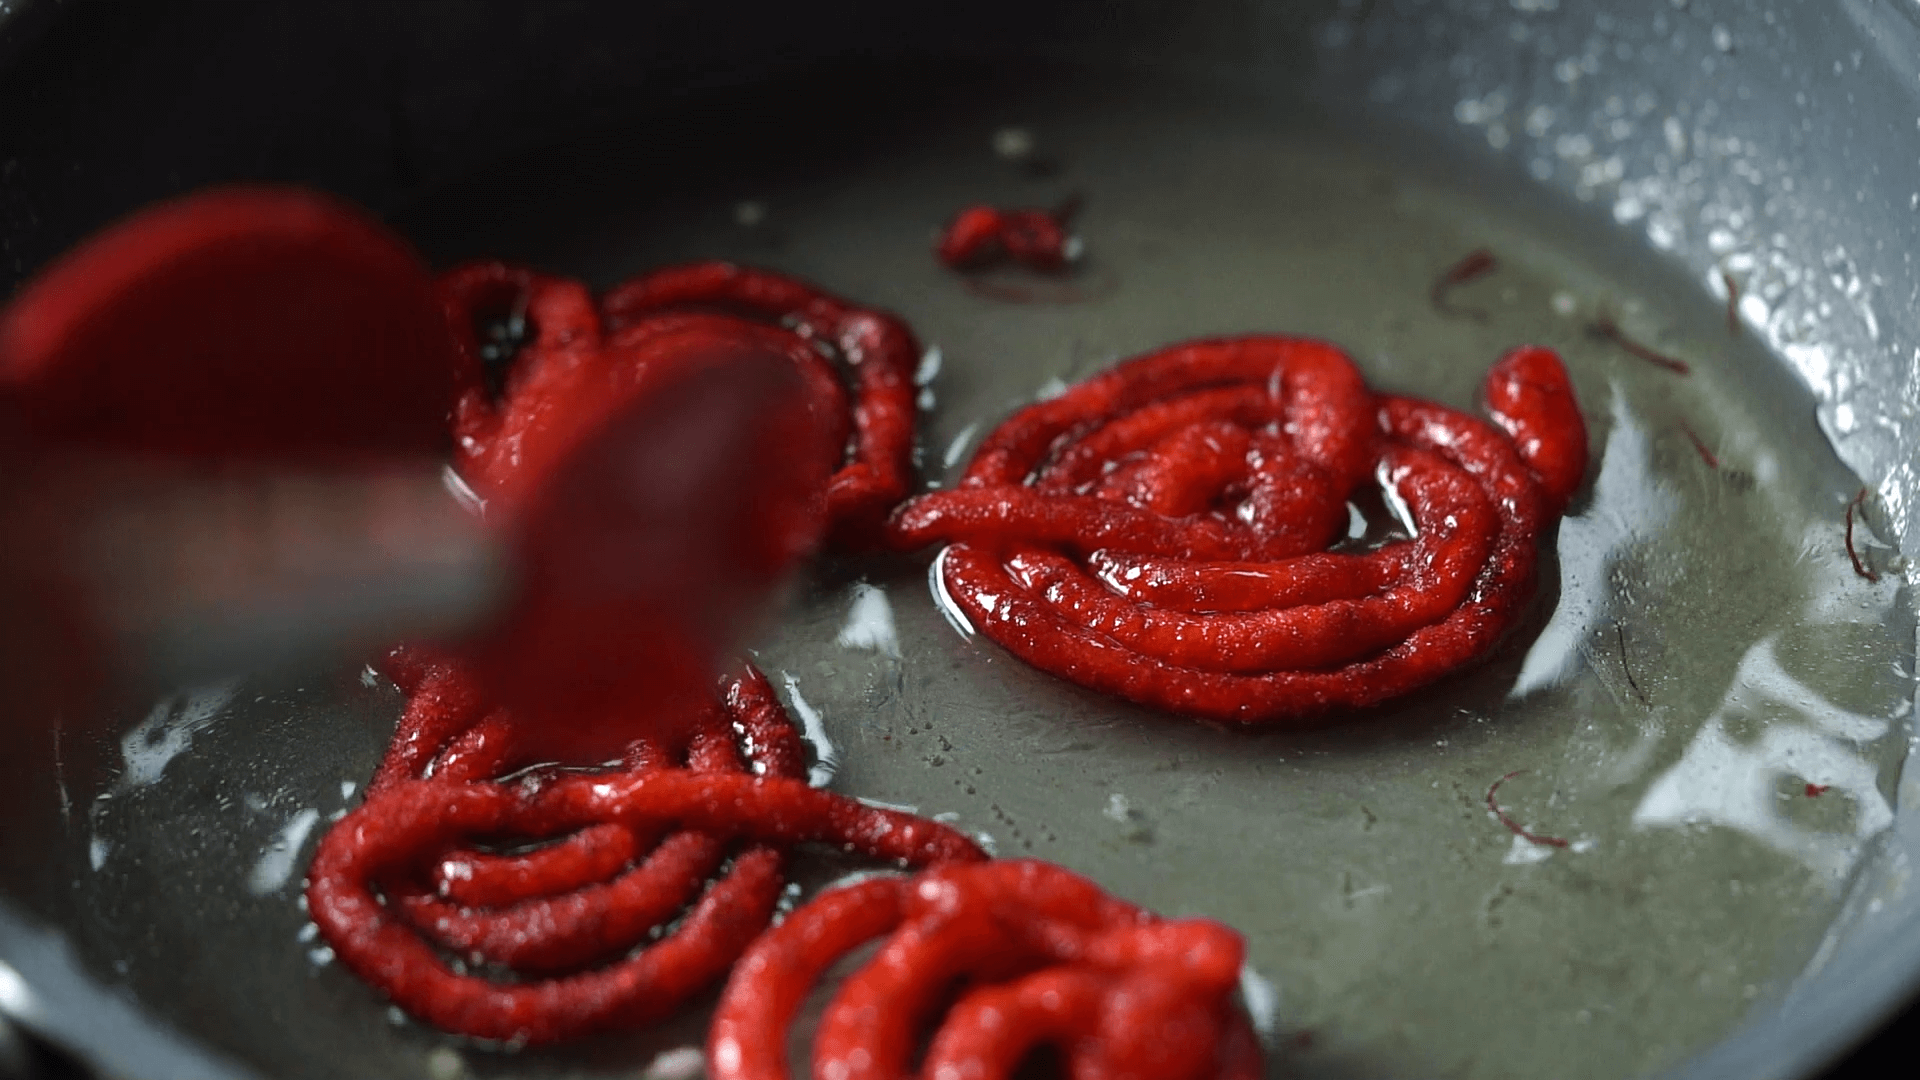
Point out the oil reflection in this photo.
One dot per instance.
(1629, 505)
(1721, 780)
(168, 730)
(1807, 746)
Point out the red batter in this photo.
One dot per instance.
(670, 312)
(1158, 532)
(1037, 956)
(504, 879)
(562, 936)
(980, 236)
(566, 939)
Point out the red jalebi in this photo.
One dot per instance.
(879, 348)
(609, 858)
(1158, 532)
(674, 309)
(546, 938)
(448, 733)
(1039, 956)
(982, 235)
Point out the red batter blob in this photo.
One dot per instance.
(671, 311)
(1158, 532)
(1038, 956)
(981, 236)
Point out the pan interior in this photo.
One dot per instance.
(1707, 702)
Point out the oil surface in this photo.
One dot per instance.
(1707, 704)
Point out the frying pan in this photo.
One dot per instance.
(1667, 135)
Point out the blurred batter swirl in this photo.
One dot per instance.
(1159, 532)
(594, 858)
(670, 312)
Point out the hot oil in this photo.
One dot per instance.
(1700, 722)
